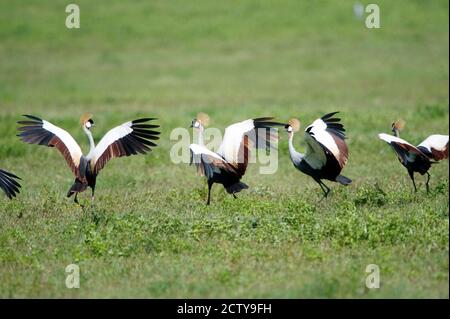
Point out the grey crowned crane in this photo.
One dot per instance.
(130, 138)
(228, 165)
(9, 184)
(417, 159)
(326, 150)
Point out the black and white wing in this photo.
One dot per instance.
(130, 138)
(240, 137)
(208, 162)
(435, 147)
(37, 131)
(406, 152)
(326, 136)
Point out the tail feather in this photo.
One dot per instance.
(236, 188)
(77, 187)
(343, 180)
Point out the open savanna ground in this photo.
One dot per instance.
(149, 233)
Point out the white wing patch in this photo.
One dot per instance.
(391, 138)
(318, 128)
(67, 139)
(438, 142)
(410, 156)
(232, 139)
(319, 124)
(199, 149)
(109, 138)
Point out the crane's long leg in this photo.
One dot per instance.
(411, 174)
(427, 183)
(320, 184)
(93, 196)
(327, 189)
(75, 199)
(210, 183)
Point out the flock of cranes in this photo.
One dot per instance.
(325, 156)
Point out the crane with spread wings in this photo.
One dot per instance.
(130, 138)
(228, 165)
(417, 159)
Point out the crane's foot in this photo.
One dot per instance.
(77, 202)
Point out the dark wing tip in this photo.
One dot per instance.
(10, 174)
(142, 120)
(9, 184)
(333, 124)
(263, 118)
(329, 115)
(266, 122)
(32, 117)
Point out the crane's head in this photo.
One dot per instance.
(200, 121)
(86, 121)
(293, 125)
(397, 127)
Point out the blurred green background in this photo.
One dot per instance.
(149, 234)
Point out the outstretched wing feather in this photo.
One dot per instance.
(128, 139)
(40, 132)
(9, 184)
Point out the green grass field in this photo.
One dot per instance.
(150, 234)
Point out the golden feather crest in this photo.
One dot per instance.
(203, 118)
(295, 124)
(399, 125)
(85, 117)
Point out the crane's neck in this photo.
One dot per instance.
(200, 139)
(397, 133)
(91, 140)
(296, 157)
